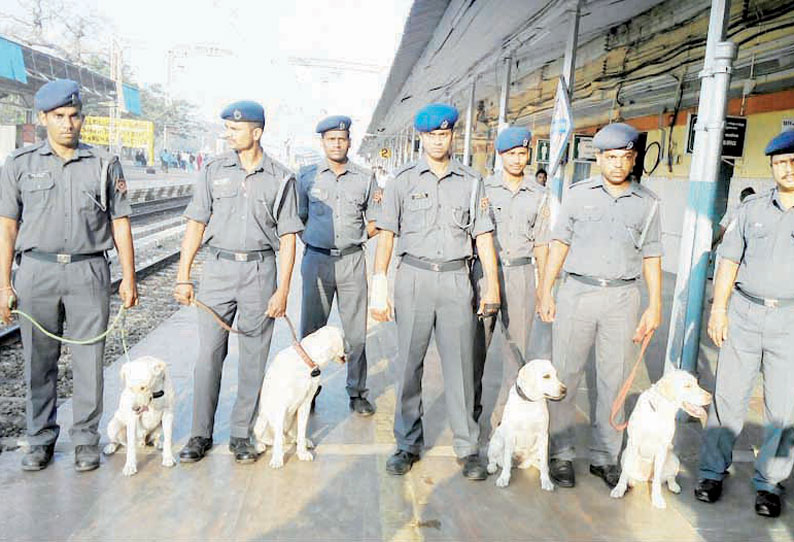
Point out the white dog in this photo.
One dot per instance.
(649, 452)
(523, 433)
(287, 391)
(145, 413)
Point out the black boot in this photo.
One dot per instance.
(86, 457)
(767, 504)
(244, 452)
(562, 473)
(401, 462)
(610, 474)
(38, 457)
(473, 469)
(708, 490)
(361, 406)
(195, 449)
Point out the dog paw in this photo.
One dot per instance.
(309, 445)
(305, 455)
(129, 469)
(502, 481)
(276, 462)
(168, 461)
(673, 486)
(546, 484)
(111, 448)
(617, 492)
(260, 447)
(658, 502)
(491, 468)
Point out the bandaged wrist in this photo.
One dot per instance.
(380, 292)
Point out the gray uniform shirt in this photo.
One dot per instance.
(515, 216)
(63, 206)
(336, 209)
(240, 208)
(604, 232)
(432, 216)
(761, 240)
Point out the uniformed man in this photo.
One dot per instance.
(516, 207)
(755, 332)
(64, 204)
(246, 210)
(437, 207)
(336, 203)
(607, 234)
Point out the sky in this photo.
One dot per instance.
(261, 36)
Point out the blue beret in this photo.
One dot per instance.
(57, 94)
(512, 137)
(244, 111)
(616, 136)
(435, 117)
(783, 143)
(336, 122)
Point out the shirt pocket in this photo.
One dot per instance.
(417, 210)
(461, 217)
(758, 235)
(591, 214)
(318, 202)
(36, 190)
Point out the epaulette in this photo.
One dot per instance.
(403, 169)
(757, 196)
(586, 183)
(223, 157)
(645, 191)
(26, 150)
(468, 170)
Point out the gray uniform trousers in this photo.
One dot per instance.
(759, 339)
(229, 288)
(526, 337)
(587, 315)
(50, 292)
(346, 277)
(427, 301)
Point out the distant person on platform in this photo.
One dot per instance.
(164, 159)
(63, 206)
(541, 176)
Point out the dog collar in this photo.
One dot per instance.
(522, 394)
(158, 394)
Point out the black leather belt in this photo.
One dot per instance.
(516, 262)
(453, 265)
(60, 257)
(766, 302)
(335, 252)
(241, 256)
(604, 283)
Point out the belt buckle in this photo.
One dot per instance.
(435, 267)
(240, 257)
(603, 282)
(335, 252)
(771, 303)
(506, 262)
(63, 258)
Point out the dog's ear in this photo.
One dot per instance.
(528, 378)
(159, 367)
(667, 387)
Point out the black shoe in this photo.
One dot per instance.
(767, 504)
(195, 449)
(610, 474)
(314, 399)
(708, 490)
(38, 457)
(562, 473)
(244, 452)
(473, 469)
(86, 457)
(401, 462)
(361, 406)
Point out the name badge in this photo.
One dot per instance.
(218, 183)
(39, 174)
(419, 195)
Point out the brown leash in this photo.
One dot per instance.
(296, 344)
(624, 391)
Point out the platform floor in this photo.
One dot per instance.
(345, 494)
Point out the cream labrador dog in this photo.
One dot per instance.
(649, 452)
(287, 391)
(523, 433)
(145, 413)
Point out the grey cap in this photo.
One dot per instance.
(616, 136)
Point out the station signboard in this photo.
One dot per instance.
(583, 150)
(732, 139)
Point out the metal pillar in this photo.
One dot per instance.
(685, 320)
(469, 125)
(559, 182)
(504, 99)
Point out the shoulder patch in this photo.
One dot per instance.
(26, 149)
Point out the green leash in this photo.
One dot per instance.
(120, 317)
